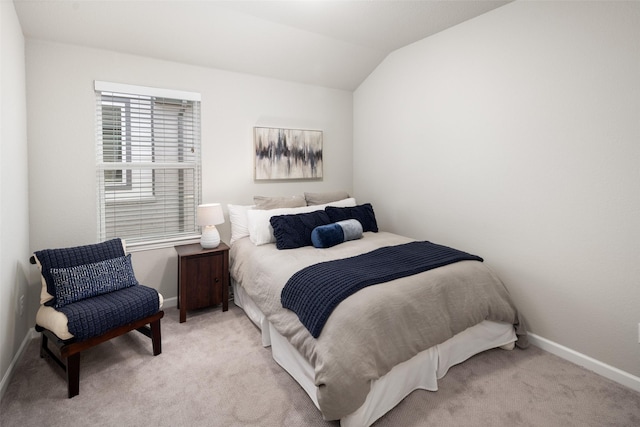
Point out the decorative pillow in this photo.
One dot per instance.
(70, 257)
(314, 199)
(263, 202)
(294, 231)
(89, 280)
(326, 236)
(239, 221)
(260, 229)
(363, 213)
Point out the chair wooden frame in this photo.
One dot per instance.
(70, 350)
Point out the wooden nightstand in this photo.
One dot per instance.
(203, 277)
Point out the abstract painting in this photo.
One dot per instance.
(287, 153)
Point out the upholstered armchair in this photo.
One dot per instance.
(90, 295)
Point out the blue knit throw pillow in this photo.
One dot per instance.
(294, 231)
(88, 280)
(363, 213)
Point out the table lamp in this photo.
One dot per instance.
(209, 215)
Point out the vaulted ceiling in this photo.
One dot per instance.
(334, 44)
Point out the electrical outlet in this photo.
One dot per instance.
(21, 306)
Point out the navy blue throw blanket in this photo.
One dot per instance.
(315, 291)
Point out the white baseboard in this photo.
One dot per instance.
(31, 333)
(587, 362)
(170, 302)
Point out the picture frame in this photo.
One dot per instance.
(287, 154)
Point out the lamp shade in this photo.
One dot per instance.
(210, 214)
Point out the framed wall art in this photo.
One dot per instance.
(282, 154)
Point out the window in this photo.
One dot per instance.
(148, 163)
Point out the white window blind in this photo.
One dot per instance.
(148, 163)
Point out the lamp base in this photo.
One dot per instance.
(210, 237)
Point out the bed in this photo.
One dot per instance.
(382, 342)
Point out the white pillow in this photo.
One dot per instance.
(260, 230)
(238, 219)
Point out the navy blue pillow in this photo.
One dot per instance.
(294, 231)
(363, 213)
(72, 257)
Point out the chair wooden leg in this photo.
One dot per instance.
(156, 339)
(73, 374)
(44, 346)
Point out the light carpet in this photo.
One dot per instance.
(213, 371)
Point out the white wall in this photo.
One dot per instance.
(61, 111)
(14, 208)
(516, 136)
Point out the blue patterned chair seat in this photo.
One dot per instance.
(96, 315)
